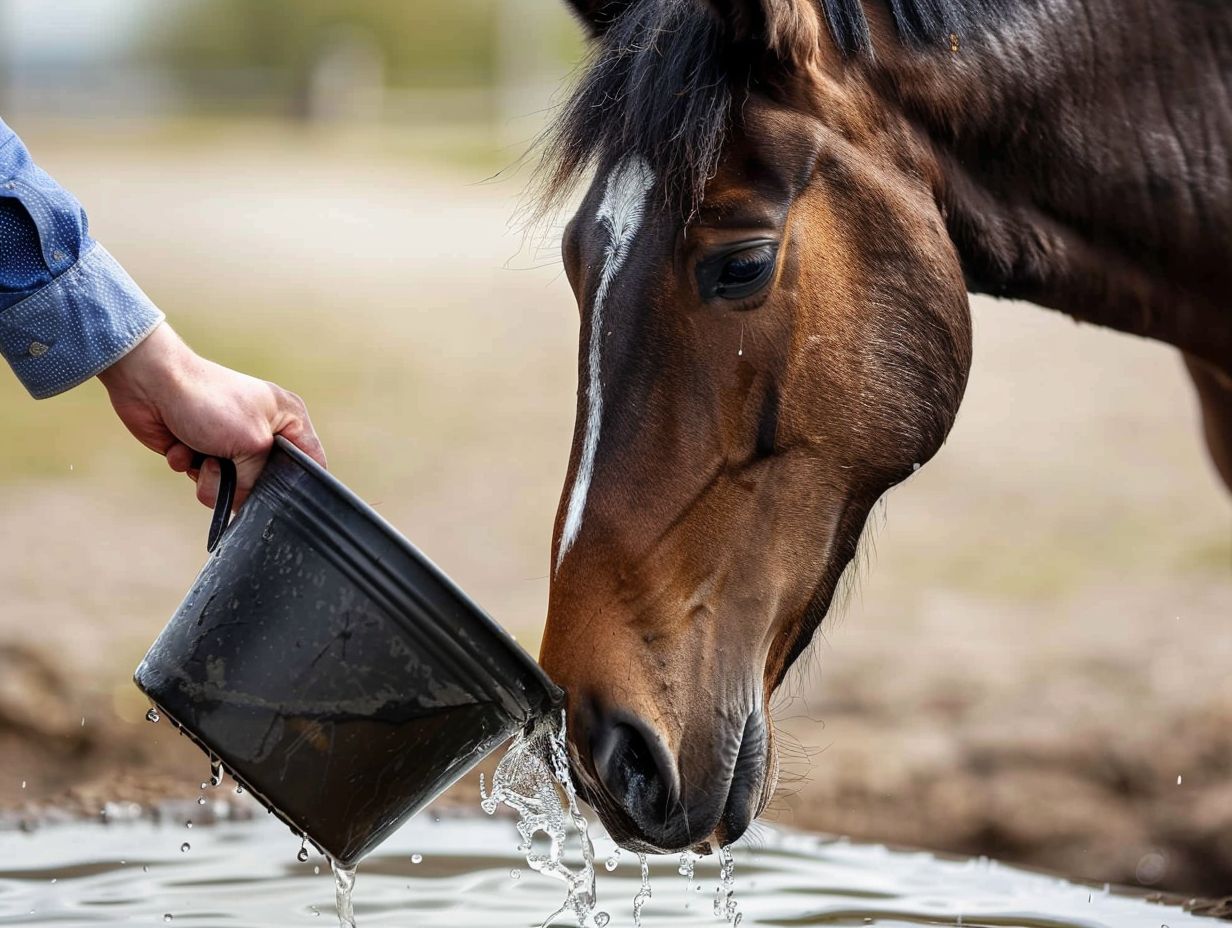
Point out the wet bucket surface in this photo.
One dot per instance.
(246, 875)
(332, 668)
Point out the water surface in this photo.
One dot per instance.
(246, 875)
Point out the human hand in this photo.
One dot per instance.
(176, 403)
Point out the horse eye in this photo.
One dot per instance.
(737, 275)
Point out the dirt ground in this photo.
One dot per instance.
(1033, 664)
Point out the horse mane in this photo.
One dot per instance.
(662, 77)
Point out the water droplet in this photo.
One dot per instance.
(316, 913)
(185, 848)
(188, 824)
(417, 858)
(204, 785)
(167, 917)
(515, 874)
(215, 771)
(1151, 868)
(644, 892)
(151, 716)
(145, 868)
(1178, 781)
(54, 880)
(239, 790)
(316, 870)
(601, 919)
(200, 800)
(302, 856)
(23, 784)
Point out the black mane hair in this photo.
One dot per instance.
(663, 75)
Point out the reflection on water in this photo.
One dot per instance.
(246, 875)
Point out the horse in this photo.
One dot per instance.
(788, 204)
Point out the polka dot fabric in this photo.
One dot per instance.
(22, 269)
(67, 308)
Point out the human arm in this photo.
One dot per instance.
(69, 312)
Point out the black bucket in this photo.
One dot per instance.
(335, 672)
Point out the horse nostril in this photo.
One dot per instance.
(636, 770)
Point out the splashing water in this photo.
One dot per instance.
(526, 781)
(687, 869)
(344, 886)
(725, 905)
(643, 894)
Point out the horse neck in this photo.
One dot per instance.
(1084, 149)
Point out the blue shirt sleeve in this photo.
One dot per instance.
(67, 308)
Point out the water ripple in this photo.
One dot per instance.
(245, 875)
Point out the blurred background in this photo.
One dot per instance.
(1033, 663)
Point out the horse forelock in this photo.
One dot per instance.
(663, 76)
(656, 86)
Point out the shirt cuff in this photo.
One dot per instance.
(78, 325)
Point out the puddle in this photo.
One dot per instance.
(246, 874)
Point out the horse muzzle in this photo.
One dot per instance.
(654, 800)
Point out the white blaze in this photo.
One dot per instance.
(620, 214)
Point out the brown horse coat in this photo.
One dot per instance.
(791, 200)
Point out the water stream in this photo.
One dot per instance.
(246, 875)
(344, 889)
(531, 780)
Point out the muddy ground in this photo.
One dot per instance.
(1033, 665)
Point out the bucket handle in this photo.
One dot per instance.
(226, 498)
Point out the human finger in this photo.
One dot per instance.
(208, 480)
(180, 458)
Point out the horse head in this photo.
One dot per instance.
(774, 331)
